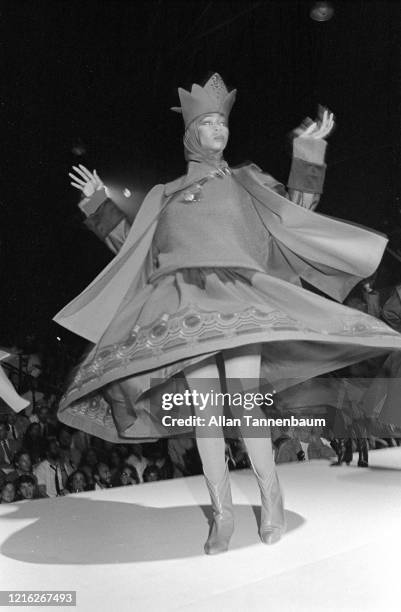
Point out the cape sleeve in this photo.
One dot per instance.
(91, 312)
(305, 246)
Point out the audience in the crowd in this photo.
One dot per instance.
(8, 448)
(8, 493)
(88, 462)
(77, 482)
(157, 456)
(236, 454)
(34, 443)
(128, 476)
(69, 456)
(151, 473)
(50, 473)
(27, 488)
(137, 460)
(104, 465)
(43, 418)
(115, 463)
(22, 466)
(184, 456)
(80, 441)
(102, 476)
(17, 425)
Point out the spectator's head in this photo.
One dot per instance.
(23, 462)
(52, 450)
(64, 438)
(90, 458)
(52, 418)
(135, 449)
(115, 458)
(26, 487)
(3, 431)
(155, 451)
(43, 414)
(7, 495)
(124, 452)
(151, 473)
(102, 474)
(128, 476)
(87, 470)
(77, 482)
(33, 432)
(12, 418)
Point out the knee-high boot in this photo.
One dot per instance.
(272, 518)
(362, 445)
(339, 446)
(222, 526)
(348, 451)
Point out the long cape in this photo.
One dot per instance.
(331, 255)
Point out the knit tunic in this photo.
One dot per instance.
(222, 229)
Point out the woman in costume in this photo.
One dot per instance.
(207, 284)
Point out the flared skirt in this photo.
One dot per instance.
(184, 317)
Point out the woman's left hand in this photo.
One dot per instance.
(317, 129)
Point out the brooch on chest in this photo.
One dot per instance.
(194, 193)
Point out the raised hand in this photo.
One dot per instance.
(86, 181)
(317, 129)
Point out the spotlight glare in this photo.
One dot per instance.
(127, 193)
(78, 148)
(322, 11)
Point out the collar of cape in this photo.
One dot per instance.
(196, 172)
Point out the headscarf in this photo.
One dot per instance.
(194, 151)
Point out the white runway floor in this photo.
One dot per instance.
(140, 548)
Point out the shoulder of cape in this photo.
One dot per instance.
(250, 170)
(173, 186)
(246, 166)
(152, 202)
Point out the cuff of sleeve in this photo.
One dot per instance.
(306, 177)
(90, 205)
(312, 150)
(105, 219)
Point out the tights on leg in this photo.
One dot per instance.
(239, 367)
(203, 378)
(241, 364)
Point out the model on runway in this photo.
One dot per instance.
(207, 284)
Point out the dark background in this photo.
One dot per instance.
(107, 73)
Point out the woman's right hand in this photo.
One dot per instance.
(86, 181)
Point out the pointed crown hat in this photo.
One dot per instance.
(213, 97)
